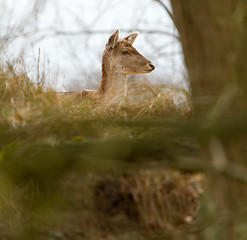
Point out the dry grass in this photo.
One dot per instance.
(23, 101)
(48, 139)
(143, 100)
(139, 204)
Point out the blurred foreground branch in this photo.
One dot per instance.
(94, 155)
(159, 148)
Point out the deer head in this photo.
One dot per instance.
(120, 59)
(124, 58)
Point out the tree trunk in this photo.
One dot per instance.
(213, 35)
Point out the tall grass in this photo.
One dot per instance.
(49, 141)
(78, 168)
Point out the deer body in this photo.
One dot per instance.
(119, 59)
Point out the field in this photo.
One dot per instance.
(84, 169)
(159, 163)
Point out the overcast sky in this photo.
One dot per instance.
(73, 57)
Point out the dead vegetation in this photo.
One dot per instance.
(141, 204)
(49, 139)
(91, 170)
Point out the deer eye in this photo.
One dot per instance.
(125, 52)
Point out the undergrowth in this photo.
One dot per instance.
(47, 139)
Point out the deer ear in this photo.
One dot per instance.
(113, 40)
(132, 37)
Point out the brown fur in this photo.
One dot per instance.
(80, 94)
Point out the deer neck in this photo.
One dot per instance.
(112, 82)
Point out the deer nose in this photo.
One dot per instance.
(152, 66)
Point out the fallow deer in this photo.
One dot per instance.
(119, 59)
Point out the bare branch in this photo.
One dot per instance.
(166, 8)
(92, 32)
(46, 33)
(230, 170)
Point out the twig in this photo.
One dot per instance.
(46, 33)
(230, 170)
(38, 74)
(166, 8)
